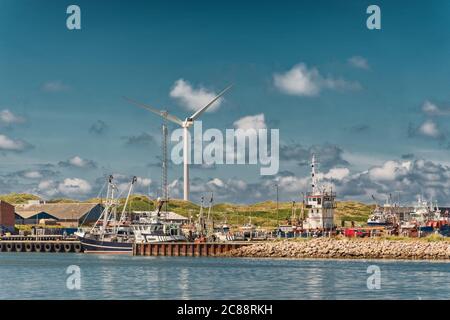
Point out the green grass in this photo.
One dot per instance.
(17, 198)
(262, 214)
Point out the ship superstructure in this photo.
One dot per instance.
(320, 204)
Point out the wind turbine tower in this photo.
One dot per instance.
(164, 186)
(186, 124)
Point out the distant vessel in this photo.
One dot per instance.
(293, 227)
(223, 233)
(377, 218)
(382, 215)
(248, 229)
(421, 213)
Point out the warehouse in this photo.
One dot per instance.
(7, 217)
(68, 215)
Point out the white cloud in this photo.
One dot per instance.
(429, 129)
(299, 81)
(193, 99)
(293, 184)
(432, 109)
(32, 175)
(47, 188)
(46, 184)
(143, 182)
(359, 62)
(238, 184)
(389, 171)
(8, 144)
(251, 122)
(74, 187)
(429, 107)
(334, 174)
(302, 81)
(54, 86)
(6, 116)
(216, 182)
(78, 162)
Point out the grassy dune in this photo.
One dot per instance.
(263, 214)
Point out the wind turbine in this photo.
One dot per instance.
(189, 121)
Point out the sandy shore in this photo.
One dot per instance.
(347, 248)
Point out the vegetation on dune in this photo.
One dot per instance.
(352, 211)
(262, 214)
(62, 200)
(18, 198)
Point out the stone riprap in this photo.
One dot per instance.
(346, 248)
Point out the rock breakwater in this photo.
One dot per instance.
(354, 248)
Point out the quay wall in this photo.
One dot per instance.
(185, 249)
(353, 248)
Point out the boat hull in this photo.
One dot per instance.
(375, 224)
(110, 247)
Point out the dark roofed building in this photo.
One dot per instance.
(65, 214)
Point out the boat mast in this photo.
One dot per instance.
(313, 175)
(122, 215)
(210, 222)
(200, 218)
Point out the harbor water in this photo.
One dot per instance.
(49, 276)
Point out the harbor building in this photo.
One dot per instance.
(68, 215)
(7, 217)
(320, 204)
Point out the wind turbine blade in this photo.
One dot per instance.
(200, 111)
(160, 113)
(174, 119)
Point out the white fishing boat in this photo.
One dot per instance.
(377, 218)
(421, 212)
(150, 227)
(223, 233)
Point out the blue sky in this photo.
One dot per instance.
(378, 115)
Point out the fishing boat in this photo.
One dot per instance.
(421, 212)
(109, 234)
(377, 218)
(383, 215)
(223, 233)
(150, 227)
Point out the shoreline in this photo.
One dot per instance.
(347, 249)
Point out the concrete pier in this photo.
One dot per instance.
(185, 249)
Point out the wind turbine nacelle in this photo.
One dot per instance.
(188, 122)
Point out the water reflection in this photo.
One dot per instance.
(183, 283)
(42, 276)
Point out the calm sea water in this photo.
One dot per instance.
(43, 276)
